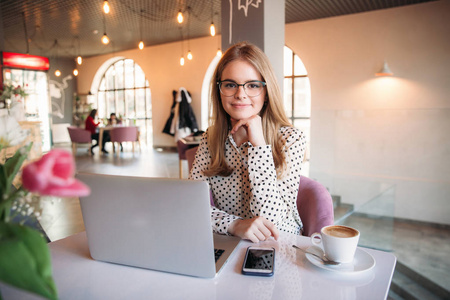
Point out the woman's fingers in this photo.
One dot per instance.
(255, 229)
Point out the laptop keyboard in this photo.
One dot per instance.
(218, 253)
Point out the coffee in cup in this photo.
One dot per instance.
(338, 242)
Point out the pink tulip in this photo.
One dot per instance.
(52, 175)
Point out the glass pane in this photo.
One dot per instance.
(148, 98)
(101, 104)
(140, 77)
(299, 67)
(140, 103)
(102, 86)
(129, 73)
(109, 77)
(305, 126)
(131, 109)
(288, 96)
(120, 103)
(302, 97)
(119, 74)
(110, 104)
(287, 61)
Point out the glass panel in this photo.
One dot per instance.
(140, 103)
(110, 103)
(148, 98)
(140, 77)
(129, 73)
(109, 78)
(299, 67)
(302, 97)
(119, 74)
(131, 109)
(305, 126)
(288, 96)
(101, 104)
(120, 103)
(287, 61)
(102, 86)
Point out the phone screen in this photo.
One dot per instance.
(259, 261)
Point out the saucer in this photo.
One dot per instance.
(363, 261)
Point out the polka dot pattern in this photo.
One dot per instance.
(253, 188)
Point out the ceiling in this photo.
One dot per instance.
(78, 25)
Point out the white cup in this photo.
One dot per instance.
(338, 242)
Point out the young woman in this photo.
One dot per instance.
(250, 155)
(91, 125)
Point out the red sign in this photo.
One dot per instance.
(25, 61)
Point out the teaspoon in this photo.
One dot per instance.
(323, 259)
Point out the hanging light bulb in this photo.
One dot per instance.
(57, 73)
(219, 52)
(182, 61)
(189, 55)
(105, 39)
(75, 72)
(385, 71)
(141, 45)
(212, 29)
(79, 60)
(180, 17)
(106, 7)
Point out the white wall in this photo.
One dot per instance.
(370, 133)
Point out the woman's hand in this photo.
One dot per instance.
(255, 229)
(249, 129)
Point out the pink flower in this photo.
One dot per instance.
(52, 175)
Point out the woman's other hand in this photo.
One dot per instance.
(249, 129)
(255, 229)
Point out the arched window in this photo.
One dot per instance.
(124, 90)
(297, 94)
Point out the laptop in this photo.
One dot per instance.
(154, 223)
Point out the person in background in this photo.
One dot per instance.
(251, 155)
(113, 121)
(91, 125)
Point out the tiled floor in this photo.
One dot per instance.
(423, 248)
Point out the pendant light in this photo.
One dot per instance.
(182, 50)
(180, 17)
(385, 71)
(75, 72)
(141, 43)
(106, 8)
(212, 28)
(79, 58)
(189, 54)
(105, 39)
(57, 71)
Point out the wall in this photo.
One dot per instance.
(162, 67)
(369, 133)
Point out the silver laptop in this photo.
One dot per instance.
(155, 223)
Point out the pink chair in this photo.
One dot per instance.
(124, 134)
(314, 202)
(79, 136)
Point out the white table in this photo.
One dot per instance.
(78, 276)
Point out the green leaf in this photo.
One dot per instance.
(25, 260)
(12, 165)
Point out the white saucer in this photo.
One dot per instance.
(363, 261)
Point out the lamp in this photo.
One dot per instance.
(180, 17)
(189, 55)
(75, 72)
(105, 39)
(55, 45)
(385, 71)
(79, 58)
(212, 28)
(141, 43)
(106, 7)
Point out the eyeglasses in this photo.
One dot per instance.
(252, 88)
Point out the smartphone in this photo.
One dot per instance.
(259, 261)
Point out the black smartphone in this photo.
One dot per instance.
(259, 261)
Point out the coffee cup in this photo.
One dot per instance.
(338, 242)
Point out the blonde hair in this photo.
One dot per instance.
(272, 114)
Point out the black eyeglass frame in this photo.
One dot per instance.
(264, 84)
